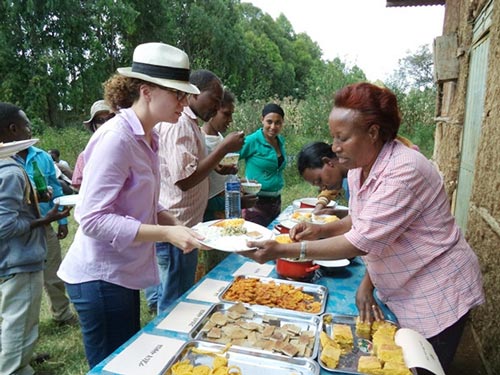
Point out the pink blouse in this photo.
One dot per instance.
(416, 255)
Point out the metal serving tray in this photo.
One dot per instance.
(318, 292)
(348, 363)
(263, 317)
(250, 363)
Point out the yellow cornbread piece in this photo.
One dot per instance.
(384, 328)
(363, 329)
(391, 368)
(384, 335)
(330, 356)
(369, 365)
(375, 325)
(326, 340)
(390, 353)
(342, 335)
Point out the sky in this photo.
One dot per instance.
(361, 32)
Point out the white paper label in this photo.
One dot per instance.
(183, 317)
(208, 290)
(253, 268)
(147, 355)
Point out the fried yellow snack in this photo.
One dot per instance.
(219, 361)
(182, 368)
(272, 294)
(202, 370)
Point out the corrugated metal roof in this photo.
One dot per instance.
(413, 3)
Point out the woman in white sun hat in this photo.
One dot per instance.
(112, 256)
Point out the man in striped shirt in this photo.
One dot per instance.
(185, 166)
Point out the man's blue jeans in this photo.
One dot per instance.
(177, 272)
(109, 315)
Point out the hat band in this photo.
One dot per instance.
(157, 71)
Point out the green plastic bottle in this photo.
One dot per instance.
(39, 178)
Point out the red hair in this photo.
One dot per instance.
(374, 104)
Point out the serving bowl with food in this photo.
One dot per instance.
(250, 187)
(230, 159)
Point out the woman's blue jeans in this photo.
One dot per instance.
(109, 315)
(177, 273)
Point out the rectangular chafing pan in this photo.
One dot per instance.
(307, 324)
(247, 362)
(318, 292)
(348, 363)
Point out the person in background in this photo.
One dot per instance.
(318, 165)
(112, 256)
(185, 166)
(212, 131)
(265, 159)
(63, 171)
(22, 252)
(63, 165)
(100, 112)
(400, 224)
(59, 303)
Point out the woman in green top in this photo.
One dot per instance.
(265, 159)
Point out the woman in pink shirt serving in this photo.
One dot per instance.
(400, 224)
(112, 256)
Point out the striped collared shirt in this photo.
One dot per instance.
(182, 146)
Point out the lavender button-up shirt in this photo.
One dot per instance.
(120, 191)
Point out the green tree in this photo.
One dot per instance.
(413, 84)
(53, 62)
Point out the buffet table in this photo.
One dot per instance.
(150, 349)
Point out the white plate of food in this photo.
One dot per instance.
(302, 215)
(231, 234)
(323, 219)
(310, 203)
(67, 200)
(332, 263)
(11, 148)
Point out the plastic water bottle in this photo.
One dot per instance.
(232, 194)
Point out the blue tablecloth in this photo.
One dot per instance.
(341, 282)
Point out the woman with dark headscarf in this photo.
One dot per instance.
(265, 159)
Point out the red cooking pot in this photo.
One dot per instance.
(295, 269)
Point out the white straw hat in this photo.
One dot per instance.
(98, 106)
(161, 64)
